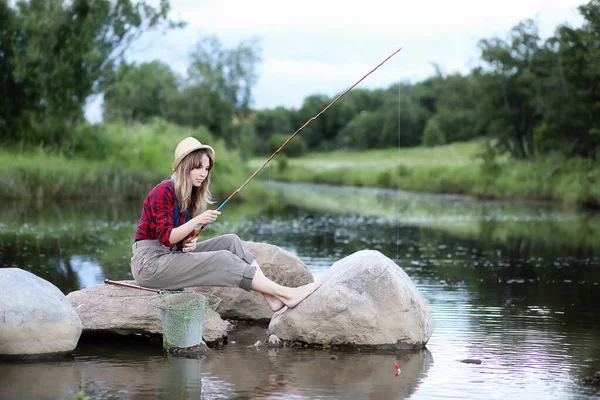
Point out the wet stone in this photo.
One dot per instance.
(189, 352)
(471, 361)
(274, 341)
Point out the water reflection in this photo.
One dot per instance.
(113, 371)
(516, 286)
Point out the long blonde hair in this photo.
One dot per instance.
(187, 194)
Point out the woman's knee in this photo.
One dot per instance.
(226, 257)
(231, 238)
(233, 243)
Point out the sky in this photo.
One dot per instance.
(325, 46)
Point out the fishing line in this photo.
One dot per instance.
(398, 181)
(291, 137)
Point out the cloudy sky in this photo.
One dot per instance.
(324, 46)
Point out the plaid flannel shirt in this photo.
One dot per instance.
(156, 221)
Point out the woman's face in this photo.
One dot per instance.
(198, 175)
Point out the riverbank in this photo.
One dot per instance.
(114, 162)
(457, 168)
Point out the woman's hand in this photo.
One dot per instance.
(188, 245)
(207, 217)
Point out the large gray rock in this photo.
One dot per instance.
(279, 265)
(106, 308)
(366, 300)
(37, 319)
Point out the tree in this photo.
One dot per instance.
(224, 78)
(269, 122)
(571, 105)
(139, 93)
(59, 53)
(510, 105)
(314, 134)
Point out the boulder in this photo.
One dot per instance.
(279, 265)
(366, 300)
(36, 318)
(106, 308)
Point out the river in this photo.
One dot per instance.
(514, 285)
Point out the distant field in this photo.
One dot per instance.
(456, 154)
(454, 169)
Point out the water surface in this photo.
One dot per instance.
(513, 285)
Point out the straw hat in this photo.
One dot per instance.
(186, 146)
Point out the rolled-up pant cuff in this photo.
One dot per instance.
(246, 282)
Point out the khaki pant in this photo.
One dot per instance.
(221, 261)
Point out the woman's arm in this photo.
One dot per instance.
(181, 232)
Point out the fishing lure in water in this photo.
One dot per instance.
(397, 369)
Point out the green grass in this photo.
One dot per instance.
(453, 154)
(114, 161)
(456, 168)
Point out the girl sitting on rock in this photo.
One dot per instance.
(165, 254)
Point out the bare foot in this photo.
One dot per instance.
(300, 293)
(274, 303)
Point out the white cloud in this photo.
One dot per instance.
(381, 16)
(320, 46)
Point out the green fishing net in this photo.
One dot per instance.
(182, 315)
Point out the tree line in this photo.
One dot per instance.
(534, 96)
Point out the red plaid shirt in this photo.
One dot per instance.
(156, 221)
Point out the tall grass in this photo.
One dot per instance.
(114, 161)
(457, 168)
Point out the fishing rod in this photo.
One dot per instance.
(130, 285)
(291, 137)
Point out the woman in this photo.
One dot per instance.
(165, 254)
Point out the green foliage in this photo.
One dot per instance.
(216, 93)
(572, 90)
(433, 134)
(138, 94)
(473, 168)
(294, 148)
(509, 106)
(56, 54)
(537, 100)
(247, 141)
(218, 87)
(268, 122)
(282, 162)
(529, 95)
(362, 131)
(117, 161)
(543, 96)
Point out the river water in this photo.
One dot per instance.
(515, 286)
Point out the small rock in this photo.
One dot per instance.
(257, 344)
(274, 341)
(229, 326)
(189, 352)
(471, 361)
(333, 357)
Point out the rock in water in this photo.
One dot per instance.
(37, 319)
(366, 300)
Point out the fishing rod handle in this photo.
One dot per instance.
(204, 226)
(108, 281)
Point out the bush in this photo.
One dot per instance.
(295, 147)
(433, 135)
